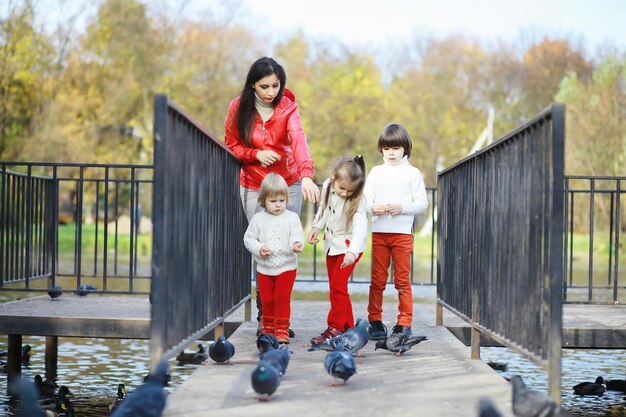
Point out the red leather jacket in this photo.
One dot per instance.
(281, 133)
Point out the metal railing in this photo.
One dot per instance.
(594, 221)
(500, 240)
(71, 224)
(201, 271)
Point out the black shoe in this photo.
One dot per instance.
(399, 336)
(291, 334)
(377, 330)
(402, 330)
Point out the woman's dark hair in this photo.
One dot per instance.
(261, 68)
(393, 135)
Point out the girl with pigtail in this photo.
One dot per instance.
(342, 213)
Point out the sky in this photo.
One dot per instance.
(364, 22)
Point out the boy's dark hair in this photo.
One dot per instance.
(395, 135)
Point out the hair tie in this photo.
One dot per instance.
(358, 159)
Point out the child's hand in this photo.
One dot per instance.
(265, 251)
(379, 209)
(348, 259)
(394, 209)
(312, 239)
(297, 247)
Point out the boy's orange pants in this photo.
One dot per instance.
(276, 300)
(340, 315)
(385, 248)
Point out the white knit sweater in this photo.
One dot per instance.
(339, 239)
(279, 232)
(396, 183)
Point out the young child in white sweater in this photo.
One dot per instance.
(395, 193)
(274, 237)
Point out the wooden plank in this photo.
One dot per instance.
(435, 378)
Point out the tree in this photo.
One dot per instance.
(545, 64)
(110, 80)
(24, 59)
(596, 119)
(436, 101)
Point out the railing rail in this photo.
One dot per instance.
(594, 221)
(500, 239)
(201, 270)
(41, 200)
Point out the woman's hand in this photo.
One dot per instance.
(297, 247)
(313, 235)
(310, 191)
(267, 158)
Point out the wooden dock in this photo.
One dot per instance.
(435, 378)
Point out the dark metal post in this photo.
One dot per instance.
(555, 339)
(52, 357)
(14, 360)
(157, 289)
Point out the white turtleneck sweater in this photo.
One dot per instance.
(390, 183)
(265, 109)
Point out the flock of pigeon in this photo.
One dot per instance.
(339, 361)
(340, 365)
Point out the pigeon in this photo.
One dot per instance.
(148, 400)
(84, 290)
(528, 403)
(55, 292)
(403, 344)
(266, 342)
(590, 388)
(167, 377)
(29, 400)
(279, 358)
(487, 409)
(352, 339)
(265, 380)
(222, 350)
(339, 364)
(193, 357)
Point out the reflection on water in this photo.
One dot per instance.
(92, 369)
(578, 365)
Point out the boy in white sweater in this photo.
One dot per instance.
(395, 193)
(274, 237)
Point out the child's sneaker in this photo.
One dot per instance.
(329, 333)
(377, 330)
(399, 335)
(282, 336)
